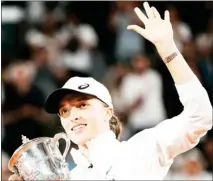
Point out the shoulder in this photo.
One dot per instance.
(141, 153)
(145, 135)
(141, 139)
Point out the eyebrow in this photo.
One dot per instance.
(84, 98)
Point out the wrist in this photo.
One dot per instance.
(166, 49)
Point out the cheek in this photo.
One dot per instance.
(96, 117)
(96, 114)
(89, 115)
(65, 124)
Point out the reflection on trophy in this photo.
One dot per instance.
(40, 159)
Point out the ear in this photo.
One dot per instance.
(109, 113)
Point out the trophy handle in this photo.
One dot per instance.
(63, 136)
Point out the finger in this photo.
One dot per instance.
(166, 15)
(140, 15)
(137, 29)
(148, 10)
(156, 13)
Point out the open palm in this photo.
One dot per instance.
(157, 30)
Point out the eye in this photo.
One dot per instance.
(64, 112)
(83, 105)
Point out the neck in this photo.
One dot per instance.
(97, 151)
(84, 150)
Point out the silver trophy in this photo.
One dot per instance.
(40, 159)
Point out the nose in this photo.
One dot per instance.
(74, 114)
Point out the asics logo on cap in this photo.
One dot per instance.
(84, 86)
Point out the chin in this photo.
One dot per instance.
(79, 140)
(81, 143)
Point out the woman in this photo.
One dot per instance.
(86, 112)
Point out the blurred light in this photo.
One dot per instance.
(12, 14)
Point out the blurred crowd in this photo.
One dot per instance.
(44, 44)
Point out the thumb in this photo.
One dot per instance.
(137, 29)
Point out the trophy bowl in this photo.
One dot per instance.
(40, 159)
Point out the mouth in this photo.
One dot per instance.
(78, 127)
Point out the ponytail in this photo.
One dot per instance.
(115, 125)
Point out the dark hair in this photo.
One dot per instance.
(115, 125)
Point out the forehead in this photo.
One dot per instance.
(75, 97)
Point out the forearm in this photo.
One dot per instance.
(184, 131)
(195, 120)
(179, 69)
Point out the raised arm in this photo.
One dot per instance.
(159, 32)
(183, 132)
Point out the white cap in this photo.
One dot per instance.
(85, 85)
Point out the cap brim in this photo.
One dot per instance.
(52, 102)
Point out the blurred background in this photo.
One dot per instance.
(46, 43)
